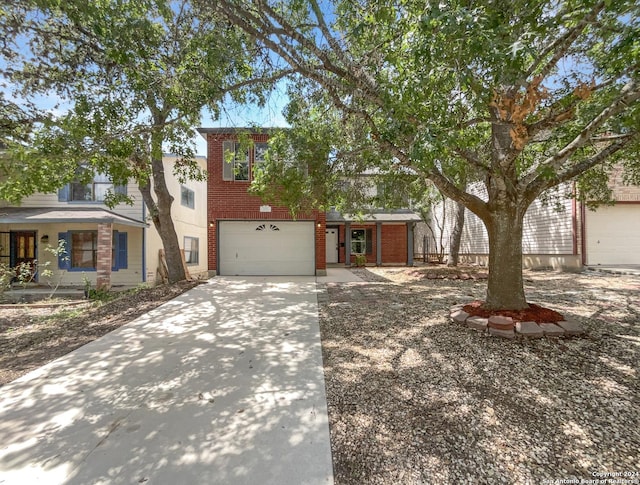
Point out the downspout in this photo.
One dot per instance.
(378, 243)
(583, 232)
(574, 224)
(347, 244)
(144, 244)
(410, 243)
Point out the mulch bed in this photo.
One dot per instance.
(535, 313)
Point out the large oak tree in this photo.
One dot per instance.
(521, 95)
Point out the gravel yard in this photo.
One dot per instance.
(414, 398)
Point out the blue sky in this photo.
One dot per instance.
(235, 115)
(231, 114)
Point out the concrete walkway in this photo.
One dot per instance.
(339, 275)
(222, 385)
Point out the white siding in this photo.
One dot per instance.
(51, 200)
(188, 222)
(131, 276)
(547, 228)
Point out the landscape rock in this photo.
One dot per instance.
(571, 327)
(459, 316)
(529, 329)
(477, 323)
(501, 323)
(496, 332)
(552, 330)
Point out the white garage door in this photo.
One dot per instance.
(613, 235)
(267, 248)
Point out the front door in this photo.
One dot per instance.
(23, 247)
(332, 245)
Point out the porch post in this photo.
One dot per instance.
(104, 263)
(378, 243)
(347, 244)
(410, 243)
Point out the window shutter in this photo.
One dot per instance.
(120, 189)
(114, 251)
(227, 166)
(369, 241)
(122, 250)
(64, 259)
(63, 194)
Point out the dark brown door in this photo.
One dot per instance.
(24, 246)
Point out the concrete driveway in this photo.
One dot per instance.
(222, 385)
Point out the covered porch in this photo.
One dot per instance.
(101, 247)
(378, 238)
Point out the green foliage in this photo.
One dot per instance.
(521, 96)
(7, 274)
(135, 76)
(489, 91)
(360, 260)
(101, 294)
(26, 273)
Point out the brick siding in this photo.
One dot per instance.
(229, 200)
(394, 243)
(104, 263)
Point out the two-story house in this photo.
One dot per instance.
(106, 247)
(249, 237)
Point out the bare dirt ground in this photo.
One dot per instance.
(31, 335)
(414, 398)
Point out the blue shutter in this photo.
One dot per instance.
(120, 189)
(64, 259)
(63, 194)
(121, 250)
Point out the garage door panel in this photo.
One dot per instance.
(267, 248)
(613, 235)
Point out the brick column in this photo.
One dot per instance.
(410, 243)
(378, 243)
(104, 263)
(347, 244)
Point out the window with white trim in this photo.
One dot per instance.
(235, 161)
(191, 250)
(94, 191)
(358, 241)
(259, 152)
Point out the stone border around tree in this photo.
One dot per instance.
(505, 327)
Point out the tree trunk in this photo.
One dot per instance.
(456, 235)
(505, 289)
(164, 223)
(160, 212)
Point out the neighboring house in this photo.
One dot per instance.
(249, 237)
(107, 247)
(612, 233)
(561, 233)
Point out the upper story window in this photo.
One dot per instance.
(235, 161)
(94, 191)
(259, 152)
(187, 197)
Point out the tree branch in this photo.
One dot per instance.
(561, 45)
(628, 94)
